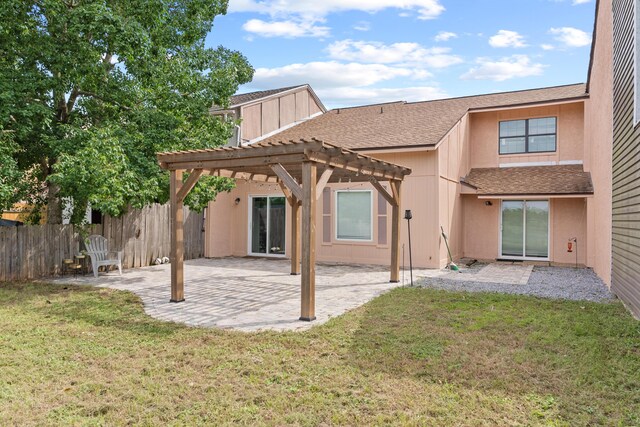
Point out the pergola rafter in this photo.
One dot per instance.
(302, 169)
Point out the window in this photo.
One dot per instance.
(528, 136)
(354, 215)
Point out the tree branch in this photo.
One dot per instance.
(96, 96)
(72, 99)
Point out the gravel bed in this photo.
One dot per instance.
(548, 282)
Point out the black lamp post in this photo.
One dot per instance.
(408, 216)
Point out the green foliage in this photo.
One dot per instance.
(91, 90)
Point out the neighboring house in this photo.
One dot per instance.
(266, 112)
(503, 174)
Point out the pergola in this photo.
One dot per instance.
(302, 169)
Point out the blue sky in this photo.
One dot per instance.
(356, 52)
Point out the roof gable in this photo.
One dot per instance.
(250, 97)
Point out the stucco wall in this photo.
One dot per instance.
(598, 146)
(567, 219)
(485, 130)
(227, 223)
(453, 159)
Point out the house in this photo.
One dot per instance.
(503, 174)
(545, 174)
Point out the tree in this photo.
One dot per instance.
(91, 90)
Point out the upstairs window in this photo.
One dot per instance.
(528, 136)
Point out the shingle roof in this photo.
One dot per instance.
(531, 180)
(244, 98)
(402, 124)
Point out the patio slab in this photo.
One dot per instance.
(248, 294)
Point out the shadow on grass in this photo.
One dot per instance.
(98, 307)
(587, 354)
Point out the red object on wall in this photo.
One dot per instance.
(569, 247)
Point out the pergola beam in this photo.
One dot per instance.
(324, 179)
(383, 192)
(288, 180)
(189, 184)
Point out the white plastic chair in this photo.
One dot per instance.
(98, 250)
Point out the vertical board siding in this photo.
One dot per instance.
(31, 252)
(626, 162)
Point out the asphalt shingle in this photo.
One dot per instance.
(404, 124)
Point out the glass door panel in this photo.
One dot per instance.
(537, 229)
(268, 222)
(512, 228)
(277, 221)
(259, 207)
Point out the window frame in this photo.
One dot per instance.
(527, 135)
(337, 216)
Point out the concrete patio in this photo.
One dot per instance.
(248, 294)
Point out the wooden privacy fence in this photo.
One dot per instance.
(143, 235)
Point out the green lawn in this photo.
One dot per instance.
(91, 356)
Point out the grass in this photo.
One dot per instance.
(86, 356)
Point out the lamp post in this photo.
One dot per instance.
(408, 216)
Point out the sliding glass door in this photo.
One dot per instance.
(525, 229)
(267, 227)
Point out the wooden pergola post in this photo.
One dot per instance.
(308, 282)
(395, 232)
(295, 236)
(177, 239)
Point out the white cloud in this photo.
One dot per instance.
(426, 9)
(571, 37)
(444, 36)
(363, 96)
(547, 47)
(396, 53)
(506, 38)
(362, 26)
(287, 29)
(515, 66)
(577, 2)
(331, 74)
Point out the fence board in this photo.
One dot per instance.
(29, 252)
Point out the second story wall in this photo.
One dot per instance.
(484, 135)
(268, 115)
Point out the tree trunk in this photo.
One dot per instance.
(54, 204)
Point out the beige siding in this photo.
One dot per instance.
(314, 108)
(626, 162)
(252, 121)
(270, 115)
(287, 109)
(302, 105)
